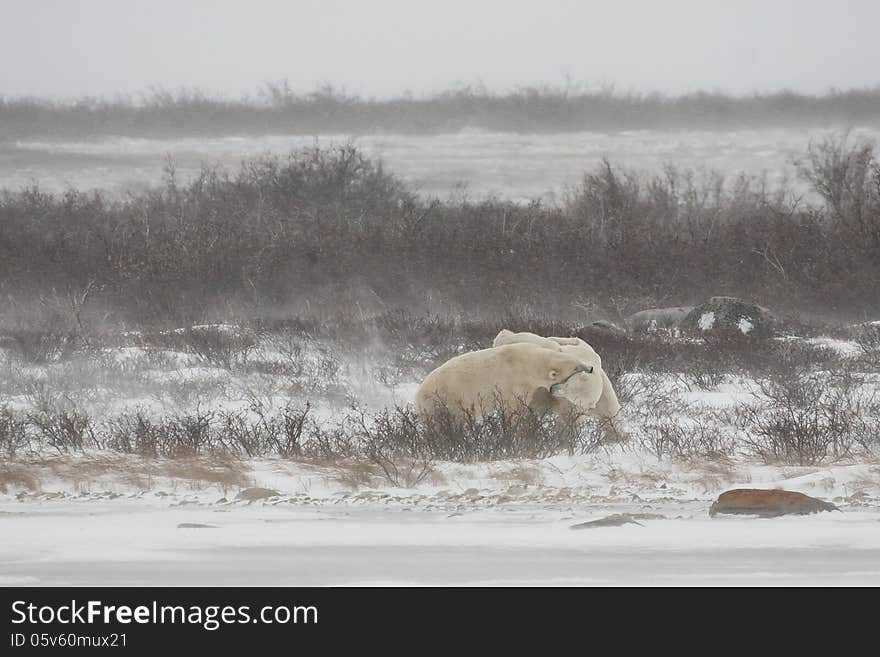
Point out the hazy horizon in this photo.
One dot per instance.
(57, 49)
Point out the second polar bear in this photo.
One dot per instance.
(592, 393)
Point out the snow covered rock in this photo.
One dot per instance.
(729, 316)
(768, 503)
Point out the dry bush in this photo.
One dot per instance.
(686, 438)
(262, 432)
(14, 439)
(394, 442)
(325, 232)
(868, 339)
(63, 430)
(215, 346)
(644, 389)
(499, 432)
(37, 347)
(134, 434)
(182, 435)
(806, 419)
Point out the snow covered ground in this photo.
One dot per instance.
(514, 166)
(503, 523)
(108, 518)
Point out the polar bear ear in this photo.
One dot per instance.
(502, 335)
(554, 374)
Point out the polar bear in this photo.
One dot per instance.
(591, 394)
(478, 382)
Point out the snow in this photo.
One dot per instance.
(513, 166)
(846, 348)
(843, 348)
(707, 321)
(109, 518)
(500, 523)
(744, 325)
(123, 544)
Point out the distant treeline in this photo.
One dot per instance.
(279, 110)
(325, 231)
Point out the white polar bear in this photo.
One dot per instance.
(506, 376)
(592, 393)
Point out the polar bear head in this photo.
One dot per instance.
(583, 389)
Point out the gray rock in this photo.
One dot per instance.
(252, 494)
(606, 327)
(729, 317)
(615, 520)
(655, 319)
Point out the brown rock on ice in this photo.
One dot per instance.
(768, 503)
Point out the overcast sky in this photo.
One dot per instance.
(382, 48)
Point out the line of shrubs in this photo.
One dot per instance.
(328, 231)
(280, 110)
(805, 420)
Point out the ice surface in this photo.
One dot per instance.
(126, 544)
(515, 166)
(499, 523)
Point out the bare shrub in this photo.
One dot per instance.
(803, 420)
(868, 340)
(703, 375)
(642, 387)
(13, 433)
(189, 434)
(499, 432)
(294, 422)
(393, 440)
(135, 434)
(327, 231)
(36, 347)
(331, 441)
(183, 435)
(281, 433)
(64, 430)
(223, 347)
(686, 438)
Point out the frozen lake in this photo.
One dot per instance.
(510, 165)
(124, 543)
